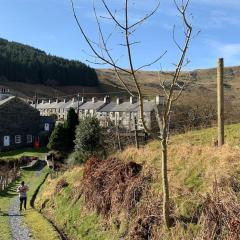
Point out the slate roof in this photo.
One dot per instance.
(4, 96)
(128, 107)
(108, 107)
(100, 106)
(74, 105)
(6, 100)
(47, 105)
(148, 106)
(92, 105)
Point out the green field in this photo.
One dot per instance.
(31, 152)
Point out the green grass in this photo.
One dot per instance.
(194, 164)
(206, 136)
(31, 152)
(72, 217)
(33, 219)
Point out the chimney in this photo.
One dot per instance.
(106, 99)
(64, 100)
(118, 101)
(49, 101)
(132, 100)
(73, 100)
(57, 100)
(5, 91)
(160, 100)
(82, 100)
(94, 99)
(43, 101)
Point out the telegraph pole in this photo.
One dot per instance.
(220, 101)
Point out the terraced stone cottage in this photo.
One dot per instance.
(19, 122)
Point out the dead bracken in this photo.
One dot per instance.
(221, 215)
(111, 185)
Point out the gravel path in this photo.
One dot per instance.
(19, 229)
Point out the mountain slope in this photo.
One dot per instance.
(22, 63)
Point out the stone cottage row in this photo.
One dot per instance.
(118, 112)
(20, 124)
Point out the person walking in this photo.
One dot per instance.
(22, 190)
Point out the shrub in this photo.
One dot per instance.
(76, 158)
(70, 125)
(58, 140)
(88, 136)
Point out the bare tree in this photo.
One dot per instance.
(172, 89)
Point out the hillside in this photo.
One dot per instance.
(25, 64)
(30, 70)
(203, 179)
(202, 80)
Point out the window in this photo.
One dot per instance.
(6, 141)
(18, 139)
(29, 138)
(46, 127)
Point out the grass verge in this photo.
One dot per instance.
(39, 226)
(31, 152)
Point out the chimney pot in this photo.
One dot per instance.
(160, 100)
(106, 99)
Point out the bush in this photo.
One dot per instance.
(58, 140)
(76, 158)
(89, 136)
(70, 126)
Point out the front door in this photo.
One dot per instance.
(6, 141)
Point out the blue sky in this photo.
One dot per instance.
(50, 26)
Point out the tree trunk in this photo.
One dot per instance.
(166, 211)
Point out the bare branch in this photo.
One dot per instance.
(110, 57)
(151, 63)
(133, 43)
(174, 39)
(90, 44)
(146, 17)
(112, 15)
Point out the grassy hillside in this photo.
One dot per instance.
(195, 166)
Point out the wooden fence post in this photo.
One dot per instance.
(118, 138)
(220, 101)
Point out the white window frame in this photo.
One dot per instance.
(29, 138)
(46, 127)
(9, 141)
(18, 139)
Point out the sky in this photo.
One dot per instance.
(50, 26)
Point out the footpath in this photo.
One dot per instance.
(27, 224)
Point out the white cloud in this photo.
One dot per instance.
(229, 51)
